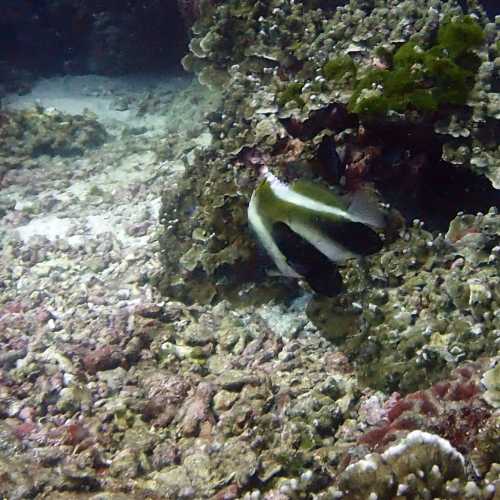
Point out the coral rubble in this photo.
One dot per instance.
(234, 383)
(202, 401)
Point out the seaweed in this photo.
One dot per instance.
(339, 68)
(424, 79)
(291, 93)
(460, 36)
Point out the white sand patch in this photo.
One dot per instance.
(85, 229)
(105, 223)
(107, 198)
(53, 227)
(76, 94)
(155, 207)
(50, 226)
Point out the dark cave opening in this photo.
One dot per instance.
(412, 177)
(46, 37)
(441, 193)
(402, 161)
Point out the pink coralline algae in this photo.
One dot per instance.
(452, 409)
(104, 358)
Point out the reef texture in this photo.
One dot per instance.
(408, 315)
(419, 307)
(198, 402)
(27, 134)
(291, 103)
(235, 384)
(417, 327)
(282, 61)
(296, 99)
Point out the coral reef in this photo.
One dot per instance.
(451, 408)
(233, 383)
(207, 219)
(28, 134)
(212, 402)
(420, 306)
(409, 314)
(420, 317)
(286, 100)
(421, 465)
(306, 56)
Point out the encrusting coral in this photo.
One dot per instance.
(305, 56)
(491, 381)
(286, 96)
(414, 315)
(27, 134)
(420, 307)
(252, 129)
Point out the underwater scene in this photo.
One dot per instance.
(249, 249)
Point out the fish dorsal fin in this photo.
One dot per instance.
(364, 208)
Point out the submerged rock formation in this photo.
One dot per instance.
(320, 95)
(291, 103)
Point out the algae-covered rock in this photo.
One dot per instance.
(440, 305)
(293, 100)
(491, 381)
(27, 134)
(430, 62)
(208, 201)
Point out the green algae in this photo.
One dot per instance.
(460, 36)
(339, 68)
(292, 93)
(408, 55)
(423, 79)
(294, 463)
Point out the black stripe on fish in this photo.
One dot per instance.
(317, 269)
(354, 236)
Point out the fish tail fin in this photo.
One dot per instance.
(364, 208)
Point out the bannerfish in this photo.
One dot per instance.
(307, 229)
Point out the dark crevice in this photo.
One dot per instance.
(412, 177)
(442, 192)
(405, 164)
(105, 37)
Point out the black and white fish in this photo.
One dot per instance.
(307, 229)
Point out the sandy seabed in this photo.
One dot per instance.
(79, 241)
